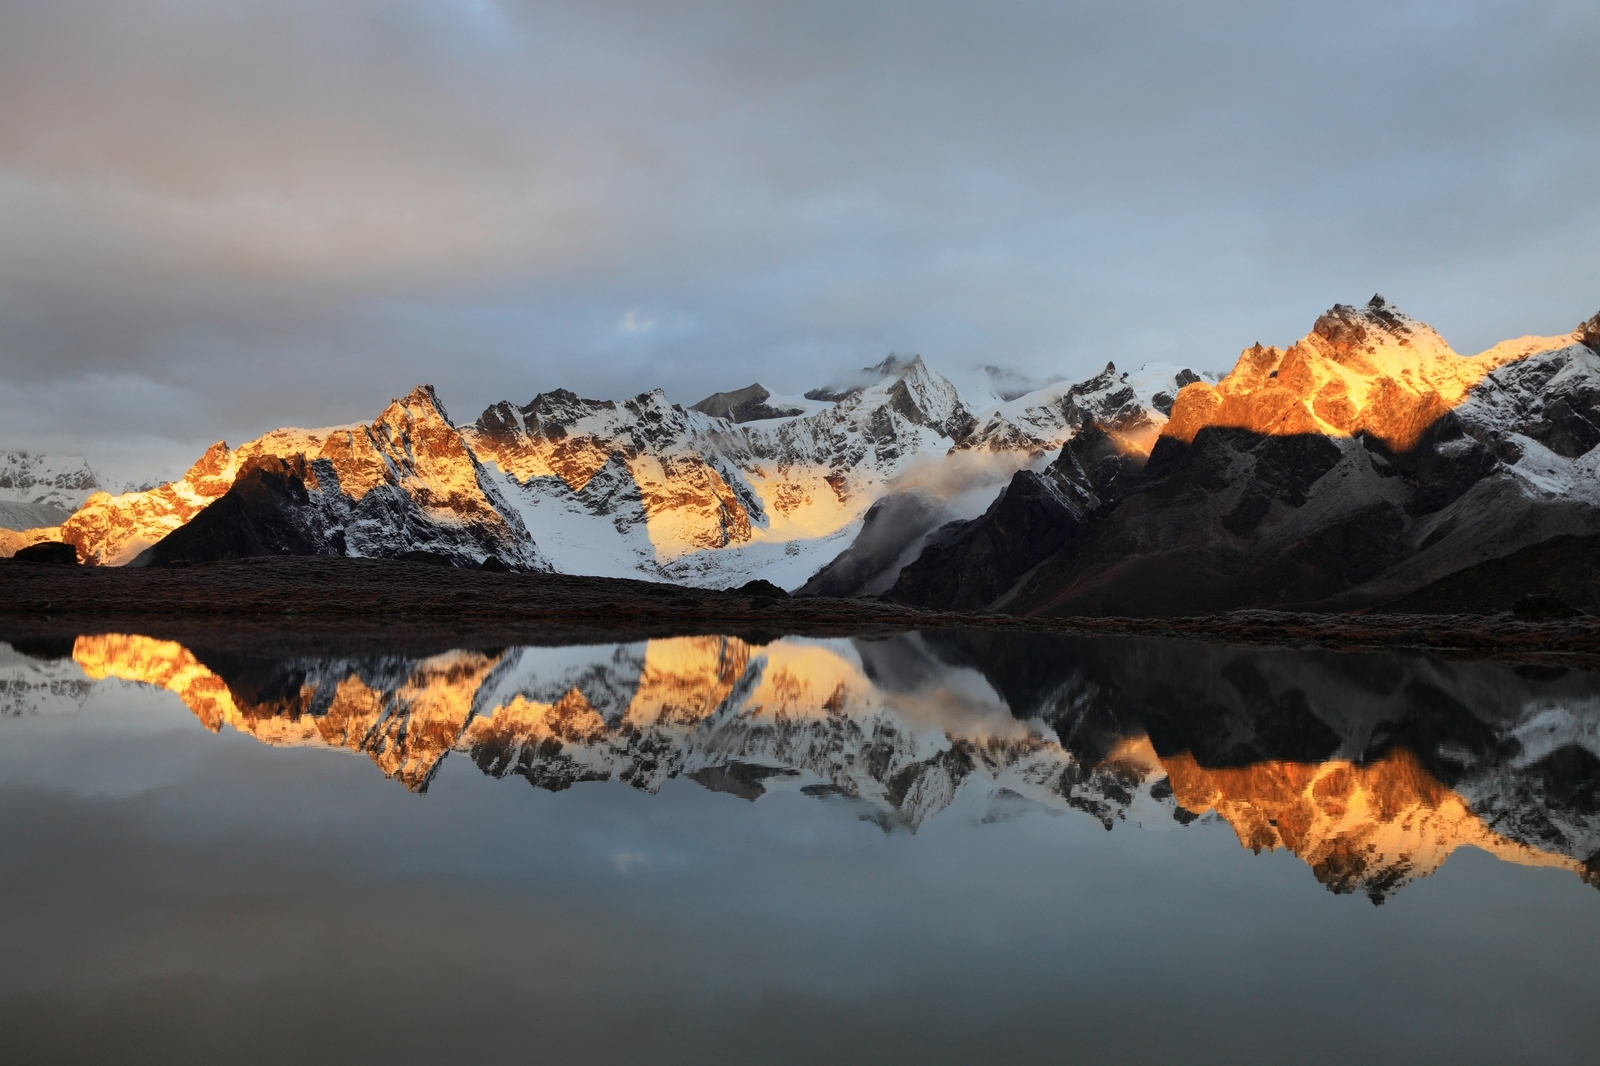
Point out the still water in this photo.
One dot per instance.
(952, 847)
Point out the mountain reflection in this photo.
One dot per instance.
(1370, 768)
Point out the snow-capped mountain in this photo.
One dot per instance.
(1365, 462)
(742, 485)
(645, 487)
(60, 481)
(405, 482)
(37, 493)
(1015, 437)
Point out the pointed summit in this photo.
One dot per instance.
(748, 404)
(421, 400)
(1589, 334)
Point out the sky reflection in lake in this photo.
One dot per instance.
(857, 850)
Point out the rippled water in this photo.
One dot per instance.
(962, 846)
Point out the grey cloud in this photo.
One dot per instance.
(286, 212)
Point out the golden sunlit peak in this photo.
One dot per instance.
(1370, 370)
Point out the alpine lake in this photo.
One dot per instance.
(959, 846)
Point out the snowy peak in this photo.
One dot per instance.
(1131, 408)
(892, 369)
(1371, 370)
(1347, 329)
(58, 481)
(924, 398)
(406, 481)
(685, 494)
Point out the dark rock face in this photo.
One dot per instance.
(1563, 568)
(748, 404)
(762, 587)
(971, 565)
(1536, 607)
(50, 552)
(426, 558)
(1589, 333)
(262, 514)
(292, 506)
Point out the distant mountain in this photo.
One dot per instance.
(1364, 463)
(57, 483)
(37, 493)
(748, 404)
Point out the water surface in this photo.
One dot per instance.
(965, 846)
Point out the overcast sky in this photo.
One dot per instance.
(218, 217)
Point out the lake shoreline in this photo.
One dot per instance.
(288, 602)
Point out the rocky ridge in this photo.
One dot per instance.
(404, 482)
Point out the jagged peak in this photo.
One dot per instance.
(651, 398)
(1372, 370)
(1588, 334)
(211, 464)
(894, 367)
(721, 401)
(1345, 327)
(748, 404)
(422, 399)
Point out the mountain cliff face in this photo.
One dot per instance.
(1365, 464)
(1366, 461)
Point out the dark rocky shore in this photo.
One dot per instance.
(306, 602)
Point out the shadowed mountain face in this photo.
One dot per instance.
(1371, 768)
(748, 404)
(1365, 463)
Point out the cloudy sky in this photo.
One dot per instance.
(217, 217)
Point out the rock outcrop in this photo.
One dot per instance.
(748, 404)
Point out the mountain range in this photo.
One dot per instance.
(1368, 464)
